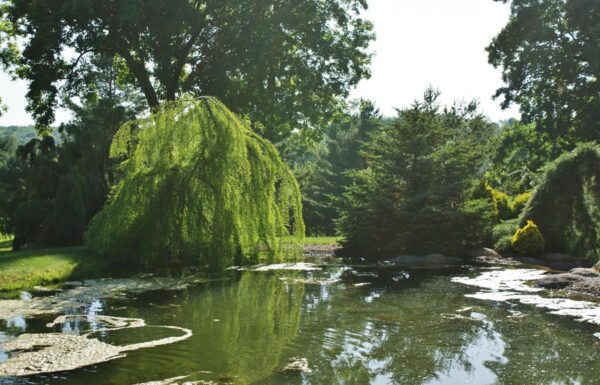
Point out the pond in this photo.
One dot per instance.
(352, 326)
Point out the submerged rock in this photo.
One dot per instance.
(297, 365)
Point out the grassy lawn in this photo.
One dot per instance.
(321, 240)
(25, 269)
(22, 270)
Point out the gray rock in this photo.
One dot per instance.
(428, 260)
(297, 365)
(588, 286)
(484, 252)
(559, 281)
(590, 273)
(557, 257)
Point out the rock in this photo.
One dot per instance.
(483, 252)
(297, 365)
(597, 266)
(557, 257)
(431, 259)
(589, 273)
(405, 260)
(434, 258)
(588, 286)
(558, 281)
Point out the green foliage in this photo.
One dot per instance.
(58, 182)
(566, 203)
(285, 64)
(322, 168)
(501, 203)
(551, 67)
(24, 134)
(198, 186)
(518, 203)
(520, 152)
(528, 240)
(414, 195)
(503, 233)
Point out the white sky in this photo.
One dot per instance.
(419, 43)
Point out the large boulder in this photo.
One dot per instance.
(483, 252)
(558, 257)
(559, 281)
(588, 273)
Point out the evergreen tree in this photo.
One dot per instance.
(414, 195)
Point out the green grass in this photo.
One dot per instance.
(321, 240)
(25, 269)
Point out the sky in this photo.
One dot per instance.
(419, 43)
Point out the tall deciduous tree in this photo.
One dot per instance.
(549, 55)
(284, 63)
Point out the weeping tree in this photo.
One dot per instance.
(566, 205)
(196, 184)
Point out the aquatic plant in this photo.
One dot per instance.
(198, 186)
(528, 239)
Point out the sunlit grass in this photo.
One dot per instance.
(322, 240)
(24, 270)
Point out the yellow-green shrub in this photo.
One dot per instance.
(518, 203)
(528, 239)
(501, 203)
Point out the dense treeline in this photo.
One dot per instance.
(433, 179)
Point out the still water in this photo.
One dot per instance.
(352, 325)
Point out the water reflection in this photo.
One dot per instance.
(402, 327)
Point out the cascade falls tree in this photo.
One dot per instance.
(566, 204)
(285, 64)
(414, 195)
(198, 186)
(548, 52)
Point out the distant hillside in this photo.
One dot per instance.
(23, 134)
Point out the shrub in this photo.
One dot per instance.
(502, 204)
(503, 233)
(529, 239)
(518, 203)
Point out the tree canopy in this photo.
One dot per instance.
(286, 64)
(198, 186)
(548, 52)
(414, 195)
